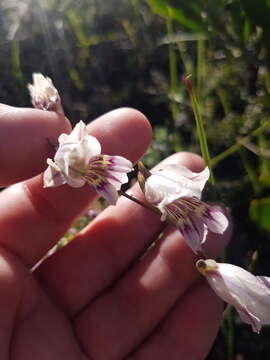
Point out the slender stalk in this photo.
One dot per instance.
(173, 83)
(264, 163)
(132, 198)
(250, 172)
(223, 97)
(199, 126)
(231, 150)
(188, 67)
(200, 66)
(172, 69)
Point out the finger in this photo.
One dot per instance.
(26, 140)
(105, 249)
(31, 325)
(142, 298)
(33, 218)
(189, 329)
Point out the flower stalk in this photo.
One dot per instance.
(145, 205)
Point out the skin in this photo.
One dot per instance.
(98, 298)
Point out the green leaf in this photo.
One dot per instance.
(184, 14)
(259, 212)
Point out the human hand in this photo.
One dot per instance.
(98, 298)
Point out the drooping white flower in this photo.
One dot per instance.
(249, 294)
(43, 94)
(78, 161)
(176, 192)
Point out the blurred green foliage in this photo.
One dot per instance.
(260, 212)
(103, 55)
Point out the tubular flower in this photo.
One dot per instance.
(43, 94)
(176, 192)
(249, 294)
(78, 161)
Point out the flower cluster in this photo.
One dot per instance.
(174, 192)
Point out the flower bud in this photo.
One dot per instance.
(43, 94)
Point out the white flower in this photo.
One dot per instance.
(78, 161)
(249, 294)
(43, 94)
(176, 192)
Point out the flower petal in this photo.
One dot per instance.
(250, 319)
(78, 134)
(160, 190)
(265, 281)
(179, 172)
(75, 151)
(109, 192)
(116, 179)
(106, 168)
(215, 220)
(195, 234)
(77, 137)
(250, 295)
(190, 225)
(43, 94)
(118, 163)
(75, 182)
(53, 175)
(79, 161)
(173, 182)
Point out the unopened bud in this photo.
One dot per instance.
(43, 94)
(143, 174)
(188, 83)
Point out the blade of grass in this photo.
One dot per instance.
(199, 126)
(250, 172)
(173, 82)
(201, 66)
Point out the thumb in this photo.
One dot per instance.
(27, 137)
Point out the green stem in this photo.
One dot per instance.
(188, 67)
(173, 83)
(264, 163)
(200, 66)
(200, 127)
(231, 150)
(172, 69)
(250, 172)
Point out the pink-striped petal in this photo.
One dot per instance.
(108, 191)
(249, 294)
(215, 220)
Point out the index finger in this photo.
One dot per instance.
(27, 137)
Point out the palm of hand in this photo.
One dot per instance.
(98, 298)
